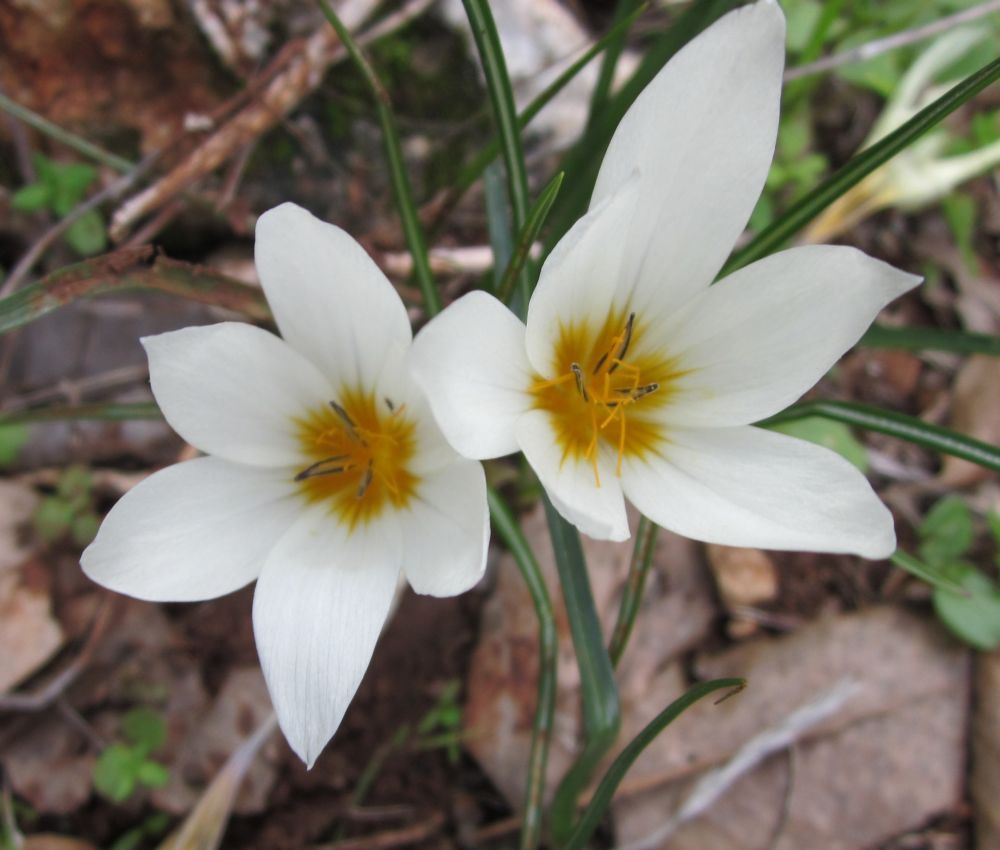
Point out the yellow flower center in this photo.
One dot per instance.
(605, 390)
(361, 451)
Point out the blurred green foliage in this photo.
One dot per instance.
(69, 510)
(122, 767)
(59, 189)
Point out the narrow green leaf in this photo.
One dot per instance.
(599, 803)
(638, 571)
(474, 169)
(507, 527)
(536, 218)
(484, 32)
(931, 339)
(412, 228)
(932, 575)
(110, 411)
(625, 10)
(598, 689)
(908, 428)
(860, 167)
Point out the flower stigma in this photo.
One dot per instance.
(604, 391)
(361, 449)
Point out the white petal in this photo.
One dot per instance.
(331, 302)
(446, 529)
(597, 511)
(751, 487)
(702, 135)
(756, 341)
(195, 530)
(580, 277)
(234, 391)
(318, 609)
(471, 364)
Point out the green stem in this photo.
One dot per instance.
(599, 803)
(801, 213)
(598, 690)
(487, 40)
(536, 218)
(108, 411)
(506, 526)
(933, 576)
(638, 571)
(397, 167)
(908, 428)
(71, 140)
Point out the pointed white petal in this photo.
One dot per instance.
(318, 609)
(234, 391)
(755, 342)
(195, 530)
(702, 135)
(751, 487)
(598, 512)
(446, 530)
(582, 277)
(331, 302)
(471, 364)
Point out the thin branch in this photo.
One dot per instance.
(879, 46)
(391, 838)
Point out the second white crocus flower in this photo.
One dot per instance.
(326, 476)
(636, 378)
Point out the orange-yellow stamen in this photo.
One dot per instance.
(361, 453)
(603, 391)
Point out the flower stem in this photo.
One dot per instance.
(638, 571)
(487, 40)
(397, 168)
(601, 710)
(507, 527)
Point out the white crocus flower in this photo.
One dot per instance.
(326, 475)
(633, 377)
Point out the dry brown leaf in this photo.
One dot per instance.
(975, 411)
(852, 780)
(50, 766)
(29, 634)
(47, 841)
(985, 780)
(17, 506)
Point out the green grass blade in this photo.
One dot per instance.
(931, 339)
(536, 218)
(128, 269)
(801, 213)
(107, 411)
(412, 229)
(473, 171)
(598, 690)
(599, 803)
(899, 425)
(638, 571)
(625, 10)
(487, 40)
(507, 527)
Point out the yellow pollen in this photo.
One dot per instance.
(604, 391)
(360, 450)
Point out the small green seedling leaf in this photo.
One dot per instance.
(12, 440)
(32, 198)
(69, 185)
(144, 728)
(53, 518)
(946, 532)
(974, 618)
(115, 772)
(87, 235)
(74, 482)
(960, 213)
(83, 529)
(832, 435)
(152, 774)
